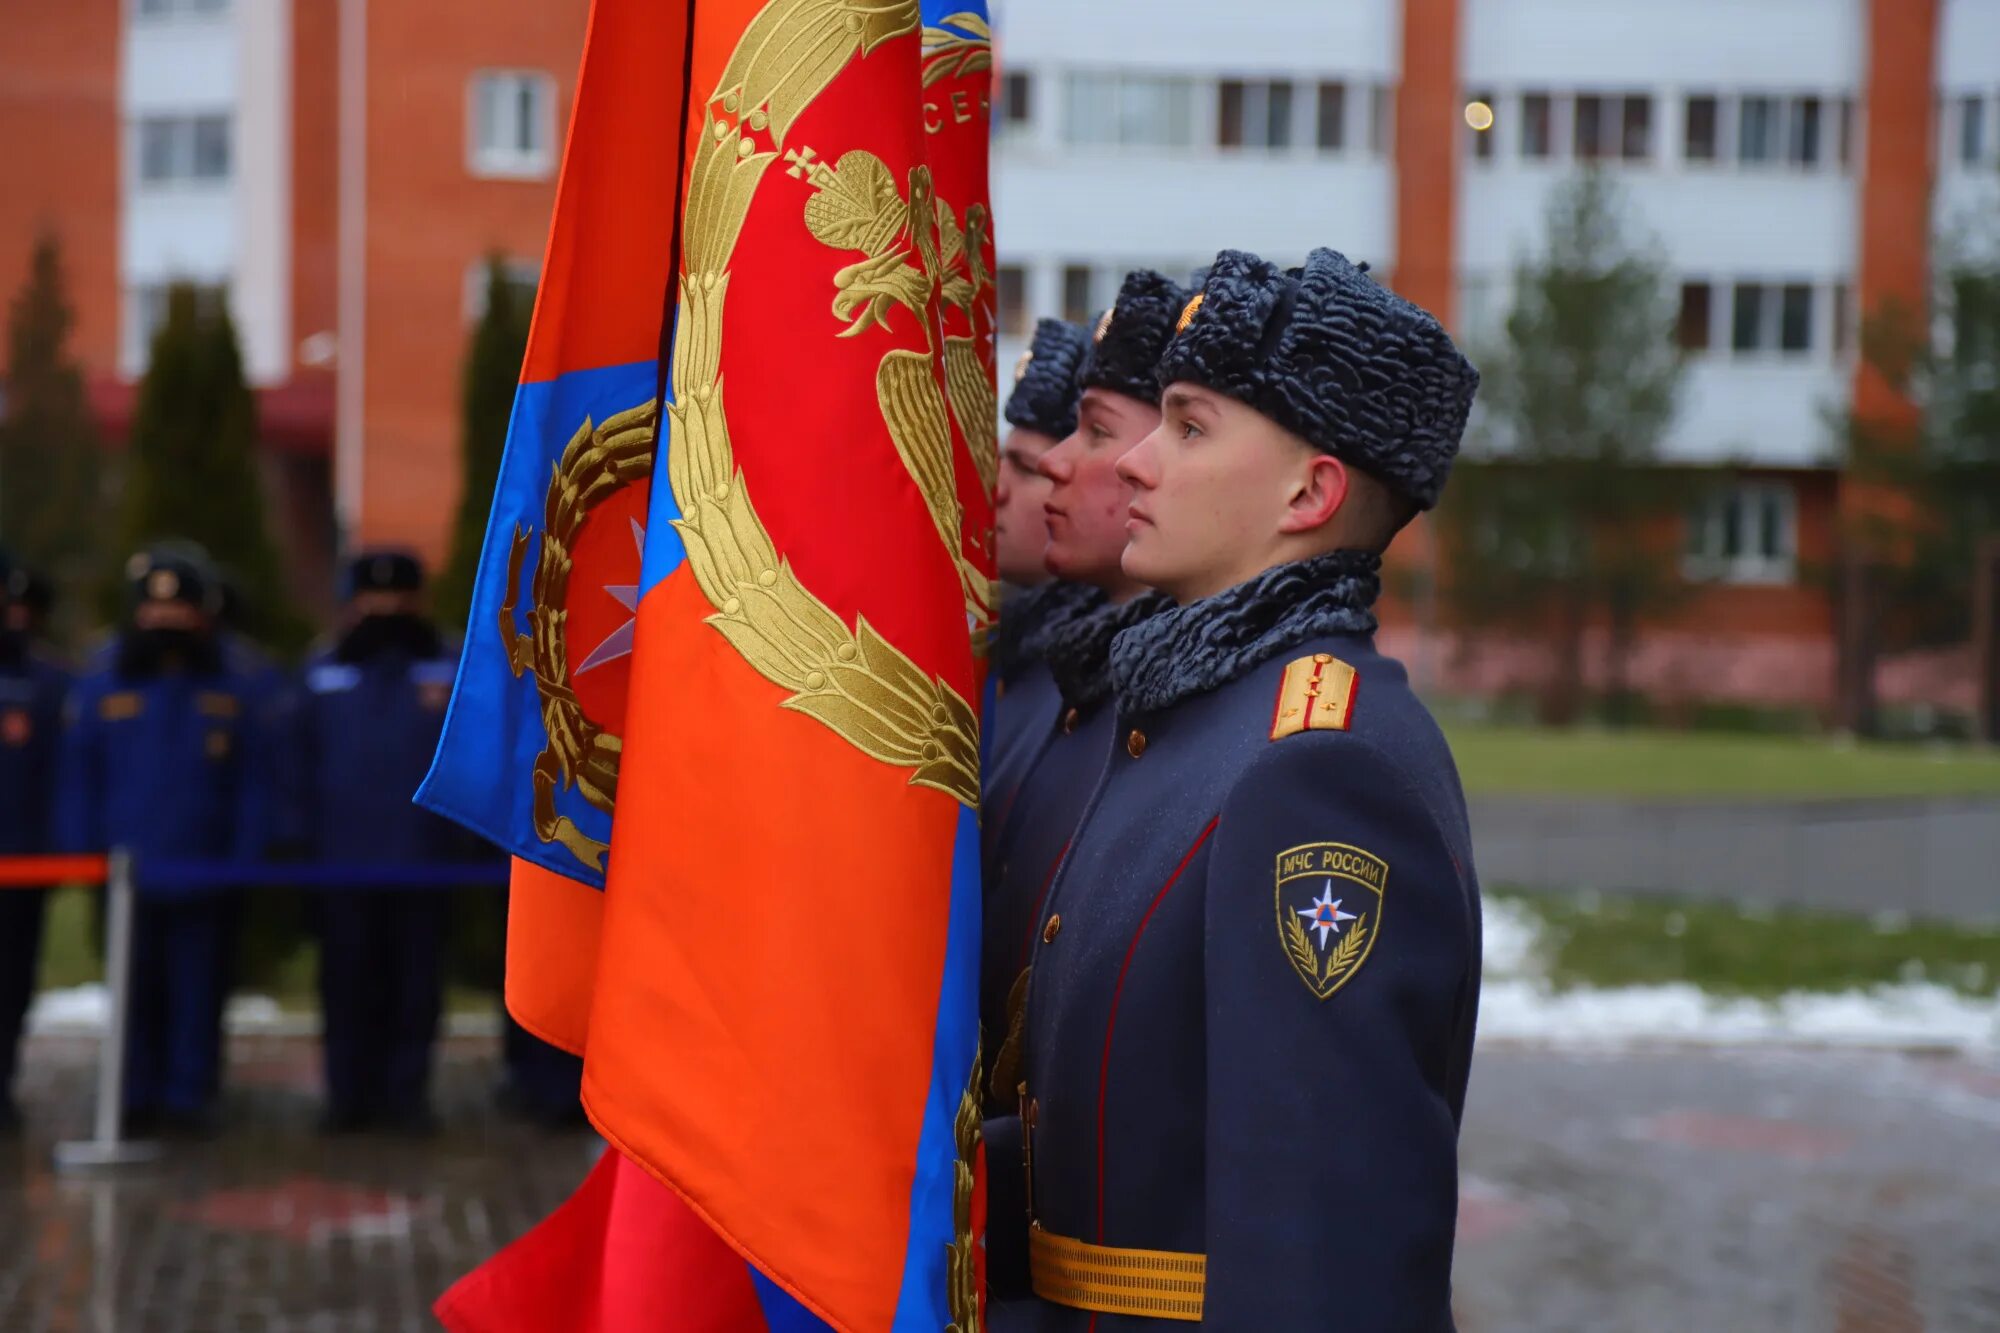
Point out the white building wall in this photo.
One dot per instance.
(233, 233)
(1968, 196)
(1722, 223)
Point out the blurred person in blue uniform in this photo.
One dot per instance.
(31, 695)
(540, 1082)
(362, 730)
(1250, 1014)
(1066, 742)
(162, 755)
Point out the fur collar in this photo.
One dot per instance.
(1033, 617)
(1080, 659)
(1193, 649)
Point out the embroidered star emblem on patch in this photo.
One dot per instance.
(1325, 916)
(1325, 943)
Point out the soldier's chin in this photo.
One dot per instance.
(1139, 563)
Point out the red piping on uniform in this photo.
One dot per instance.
(1111, 1023)
(1035, 917)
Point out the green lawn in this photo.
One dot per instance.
(1620, 941)
(1496, 761)
(70, 958)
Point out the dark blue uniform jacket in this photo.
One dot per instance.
(31, 697)
(1249, 1020)
(362, 735)
(169, 766)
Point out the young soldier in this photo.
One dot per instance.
(1041, 411)
(1085, 506)
(365, 725)
(31, 694)
(162, 754)
(1250, 1015)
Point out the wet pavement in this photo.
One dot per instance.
(1679, 1191)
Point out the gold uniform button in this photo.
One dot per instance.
(1069, 722)
(1135, 744)
(1322, 658)
(1052, 929)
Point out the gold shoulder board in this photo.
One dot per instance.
(120, 705)
(213, 703)
(1317, 694)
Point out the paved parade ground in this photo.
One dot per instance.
(1676, 1190)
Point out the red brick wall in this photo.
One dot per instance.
(315, 173)
(429, 218)
(1428, 107)
(59, 157)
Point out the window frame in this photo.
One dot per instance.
(178, 134)
(1010, 309)
(511, 163)
(1016, 114)
(1343, 117)
(1704, 554)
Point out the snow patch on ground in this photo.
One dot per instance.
(1517, 1003)
(86, 1009)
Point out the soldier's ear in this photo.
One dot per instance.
(1320, 488)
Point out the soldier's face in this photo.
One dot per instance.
(1087, 498)
(1020, 534)
(1216, 494)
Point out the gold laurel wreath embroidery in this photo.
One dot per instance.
(969, 50)
(598, 461)
(1299, 945)
(961, 1267)
(853, 681)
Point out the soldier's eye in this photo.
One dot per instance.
(1189, 430)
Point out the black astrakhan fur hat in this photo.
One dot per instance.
(1129, 337)
(1045, 381)
(1334, 357)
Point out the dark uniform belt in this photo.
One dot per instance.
(1158, 1284)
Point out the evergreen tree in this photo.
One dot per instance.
(486, 402)
(192, 469)
(49, 460)
(1931, 478)
(1566, 523)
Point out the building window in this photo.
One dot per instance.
(1697, 316)
(1613, 128)
(1795, 318)
(1843, 132)
(1971, 130)
(1636, 137)
(1381, 119)
(1017, 100)
(1702, 122)
(1129, 111)
(1773, 317)
(1843, 319)
(1590, 123)
(1254, 113)
(1805, 135)
(1010, 283)
(1747, 319)
(513, 124)
(1076, 293)
(1746, 532)
(1757, 130)
(183, 149)
(1537, 126)
(160, 9)
(1332, 127)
